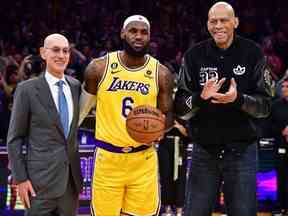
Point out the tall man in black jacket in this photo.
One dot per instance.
(223, 86)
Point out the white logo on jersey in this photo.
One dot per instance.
(208, 73)
(189, 102)
(239, 70)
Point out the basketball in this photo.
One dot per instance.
(145, 124)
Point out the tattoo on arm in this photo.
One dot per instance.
(165, 100)
(93, 75)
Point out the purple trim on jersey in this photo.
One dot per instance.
(111, 148)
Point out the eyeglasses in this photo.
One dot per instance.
(57, 50)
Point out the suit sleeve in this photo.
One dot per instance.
(257, 104)
(187, 98)
(18, 133)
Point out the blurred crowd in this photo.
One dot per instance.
(93, 28)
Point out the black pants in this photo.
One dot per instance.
(172, 191)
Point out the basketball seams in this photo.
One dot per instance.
(145, 124)
(144, 132)
(147, 118)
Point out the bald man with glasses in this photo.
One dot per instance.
(44, 118)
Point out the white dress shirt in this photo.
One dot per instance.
(54, 89)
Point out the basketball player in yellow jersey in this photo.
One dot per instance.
(125, 180)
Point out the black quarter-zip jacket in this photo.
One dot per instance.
(216, 126)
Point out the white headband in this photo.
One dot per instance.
(137, 18)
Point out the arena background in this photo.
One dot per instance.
(93, 28)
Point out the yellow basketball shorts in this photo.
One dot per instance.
(125, 183)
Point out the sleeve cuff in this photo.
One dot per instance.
(19, 179)
(239, 100)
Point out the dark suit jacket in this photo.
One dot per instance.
(35, 122)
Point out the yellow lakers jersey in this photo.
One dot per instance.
(120, 90)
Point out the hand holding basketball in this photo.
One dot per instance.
(145, 124)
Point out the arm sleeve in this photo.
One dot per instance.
(187, 101)
(18, 133)
(257, 104)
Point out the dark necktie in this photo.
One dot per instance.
(63, 108)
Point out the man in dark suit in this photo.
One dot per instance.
(44, 118)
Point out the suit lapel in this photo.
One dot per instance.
(45, 97)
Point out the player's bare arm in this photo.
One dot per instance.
(92, 77)
(165, 100)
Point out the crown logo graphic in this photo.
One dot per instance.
(239, 70)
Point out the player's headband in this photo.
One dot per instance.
(137, 18)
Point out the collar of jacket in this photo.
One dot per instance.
(213, 47)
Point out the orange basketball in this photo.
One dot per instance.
(145, 124)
